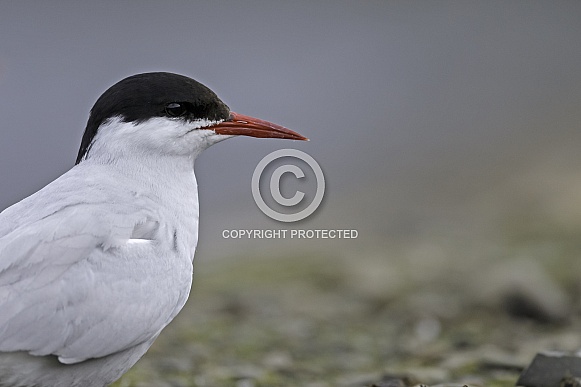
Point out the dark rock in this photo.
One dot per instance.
(551, 369)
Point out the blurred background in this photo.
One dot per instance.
(448, 133)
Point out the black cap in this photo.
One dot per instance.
(144, 96)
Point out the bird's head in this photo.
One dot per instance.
(165, 113)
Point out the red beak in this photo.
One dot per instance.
(241, 125)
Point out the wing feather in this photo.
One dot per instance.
(73, 285)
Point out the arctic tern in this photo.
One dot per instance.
(94, 265)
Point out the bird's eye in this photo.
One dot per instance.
(175, 109)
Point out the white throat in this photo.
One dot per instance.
(155, 157)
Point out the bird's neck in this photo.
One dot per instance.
(167, 184)
(169, 177)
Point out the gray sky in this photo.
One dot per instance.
(405, 102)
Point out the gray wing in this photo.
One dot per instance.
(81, 283)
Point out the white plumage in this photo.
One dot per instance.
(99, 261)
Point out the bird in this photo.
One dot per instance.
(97, 263)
